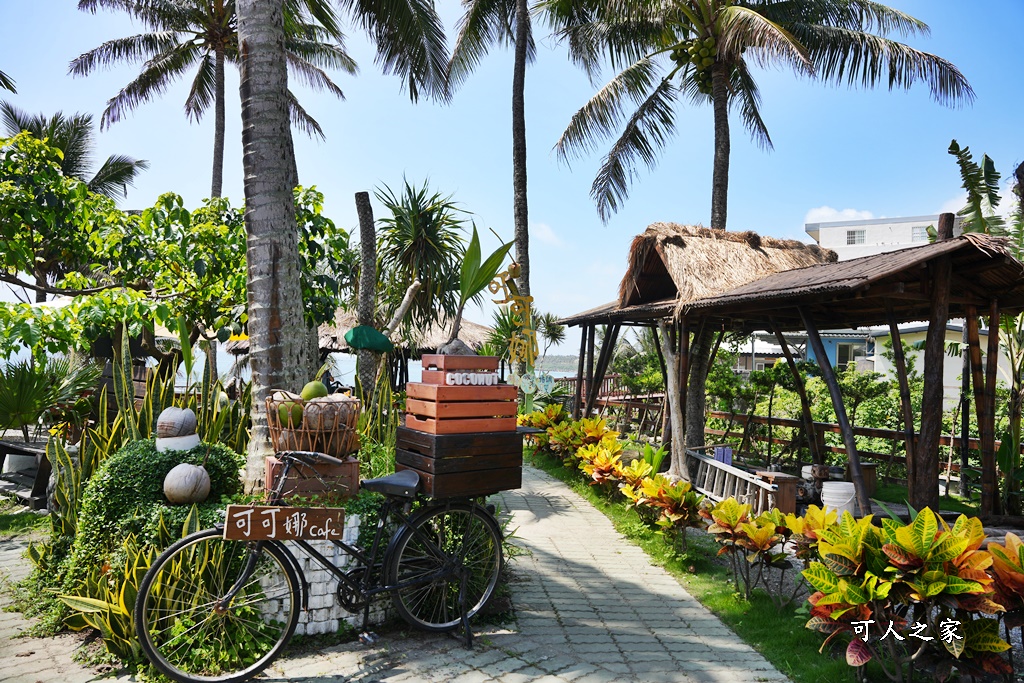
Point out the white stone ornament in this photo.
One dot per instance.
(187, 483)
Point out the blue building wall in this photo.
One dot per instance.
(831, 345)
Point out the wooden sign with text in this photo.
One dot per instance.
(275, 523)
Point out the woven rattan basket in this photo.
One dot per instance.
(327, 425)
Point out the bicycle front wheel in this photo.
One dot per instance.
(191, 633)
(447, 556)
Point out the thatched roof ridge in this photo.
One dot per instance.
(692, 262)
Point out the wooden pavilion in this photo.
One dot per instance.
(959, 277)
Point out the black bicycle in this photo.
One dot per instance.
(218, 609)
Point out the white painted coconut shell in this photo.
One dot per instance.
(176, 422)
(329, 412)
(177, 443)
(187, 483)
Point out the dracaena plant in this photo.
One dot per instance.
(924, 575)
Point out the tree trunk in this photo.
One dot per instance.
(366, 359)
(276, 343)
(700, 357)
(519, 203)
(217, 182)
(720, 176)
(925, 486)
(672, 393)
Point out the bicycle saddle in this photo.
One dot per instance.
(403, 484)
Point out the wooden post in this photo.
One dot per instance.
(590, 362)
(577, 406)
(984, 407)
(667, 341)
(926, 455)
(988, 436)
(829, 376)
(684, 366)
(817, 457)
(607, 351)
(906, 408)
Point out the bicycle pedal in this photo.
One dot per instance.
(369, 638)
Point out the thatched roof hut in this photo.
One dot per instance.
(671, 265)
(686, 263)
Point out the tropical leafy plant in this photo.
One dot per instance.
(47, 390)
(475, 276)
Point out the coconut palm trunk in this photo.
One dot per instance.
(277, 349)
(217, 182)
(519, 200)
(720, 174)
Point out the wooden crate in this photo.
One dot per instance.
(341, 480)
(461, 465)
(435, 407)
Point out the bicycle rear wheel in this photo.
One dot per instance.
(189, 635)
(447, 543)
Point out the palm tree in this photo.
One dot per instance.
(707, 48)
(276, 353)
(7, 83)
(420, 240)
(550, 331)
(74, 137)
(484, 24)
(201, 35)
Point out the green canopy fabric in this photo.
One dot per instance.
(366, 337)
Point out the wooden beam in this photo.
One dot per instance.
(684, 366)
(906, 408)
(590, 363)
(805, 404)
(829, 376)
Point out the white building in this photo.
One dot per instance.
(853, 239)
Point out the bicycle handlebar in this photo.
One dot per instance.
(309, 457)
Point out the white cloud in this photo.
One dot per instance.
(953, 205)
(542, 232)
(826, 214)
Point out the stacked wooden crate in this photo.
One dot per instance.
(460, 429)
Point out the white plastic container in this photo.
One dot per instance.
(806, 472)
(839, 496)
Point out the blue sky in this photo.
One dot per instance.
(838, 151)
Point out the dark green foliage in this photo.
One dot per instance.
(126, 494)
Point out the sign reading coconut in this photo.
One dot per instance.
(475, 379)
(273, 523)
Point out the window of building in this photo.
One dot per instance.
(855, 237)
(919, 234)
(849, 353)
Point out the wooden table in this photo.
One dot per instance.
(29, 485)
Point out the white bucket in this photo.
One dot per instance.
(839, 496)
(807, 472)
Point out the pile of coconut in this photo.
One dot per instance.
(313, 420)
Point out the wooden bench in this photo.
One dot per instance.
(27, 485)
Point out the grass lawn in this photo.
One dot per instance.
(895, 493)
(779, 636)
(17, 520)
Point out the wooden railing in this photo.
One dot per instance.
(719, 481)
(610, 386)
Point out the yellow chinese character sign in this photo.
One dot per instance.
(522, 346)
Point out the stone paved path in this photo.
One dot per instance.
(590, 608)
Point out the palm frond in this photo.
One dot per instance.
(7, 83)
(159, 15)
(747, 94)
(321, 54)
(843, 55)
(116, 174)
(599, 119)
(644, 135)
(320, 10)
(72, 135)
(745, 34)
(130, 49)
(157, 75)
(204, 87)
(864, 15)
(410, 41)
(314, 77)
(302, 120)
(484, 23)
